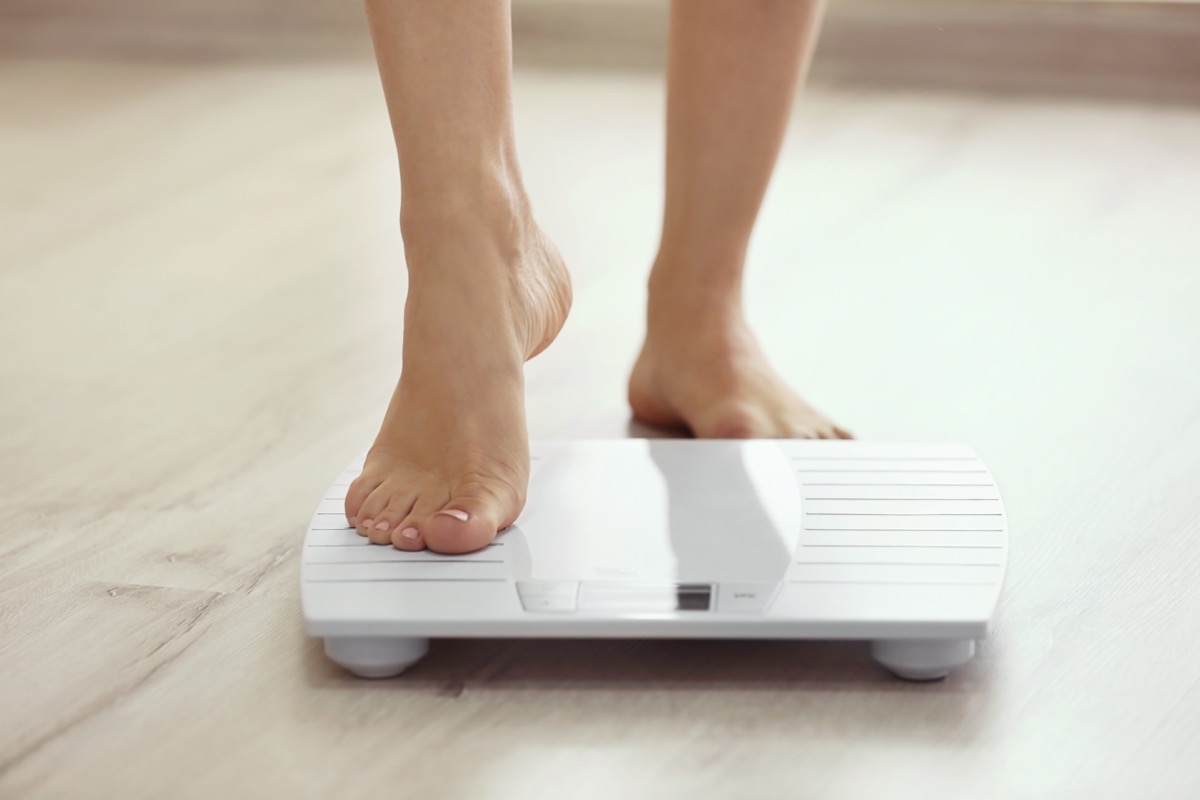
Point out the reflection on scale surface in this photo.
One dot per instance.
(644, 527)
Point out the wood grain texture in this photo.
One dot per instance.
(200, 282)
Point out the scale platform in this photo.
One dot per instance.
(902, 545)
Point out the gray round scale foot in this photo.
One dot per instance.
(922, 659)
(375, 657)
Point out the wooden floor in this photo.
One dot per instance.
(200, 283)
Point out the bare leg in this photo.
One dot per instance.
(487, 290)
(732, 73)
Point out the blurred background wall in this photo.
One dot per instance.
(1080, 47)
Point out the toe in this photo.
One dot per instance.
(409, 533)
(812, 425)
(360, 489)
(375, 534)
(393, 515)
(826, 429)
(371, 511)
(447, 531)
(805, 432)
(407, 537)
(842, 433)
(471, 519)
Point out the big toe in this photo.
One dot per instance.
(469, 521)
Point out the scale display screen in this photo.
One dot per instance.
(645, 597)
(616, 597)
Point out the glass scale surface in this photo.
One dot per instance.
(903, 545)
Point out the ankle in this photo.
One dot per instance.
(694, 322)
(689, 296)
(466, 206)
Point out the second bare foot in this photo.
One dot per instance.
(702, 369)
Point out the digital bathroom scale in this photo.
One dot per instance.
(902, 545)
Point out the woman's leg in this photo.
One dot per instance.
(733, 70)
(486, 291)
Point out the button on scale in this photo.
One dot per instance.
(548, 596)
(745, 598)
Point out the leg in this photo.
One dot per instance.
(486, 290)
(732, 72)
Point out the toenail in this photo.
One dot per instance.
(461, 516)
(353, 522)
(367, 523)
(382, 525)
(410, 533)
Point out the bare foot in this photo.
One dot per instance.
(450, 465)
(702, 369)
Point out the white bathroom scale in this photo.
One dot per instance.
(901, 545)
